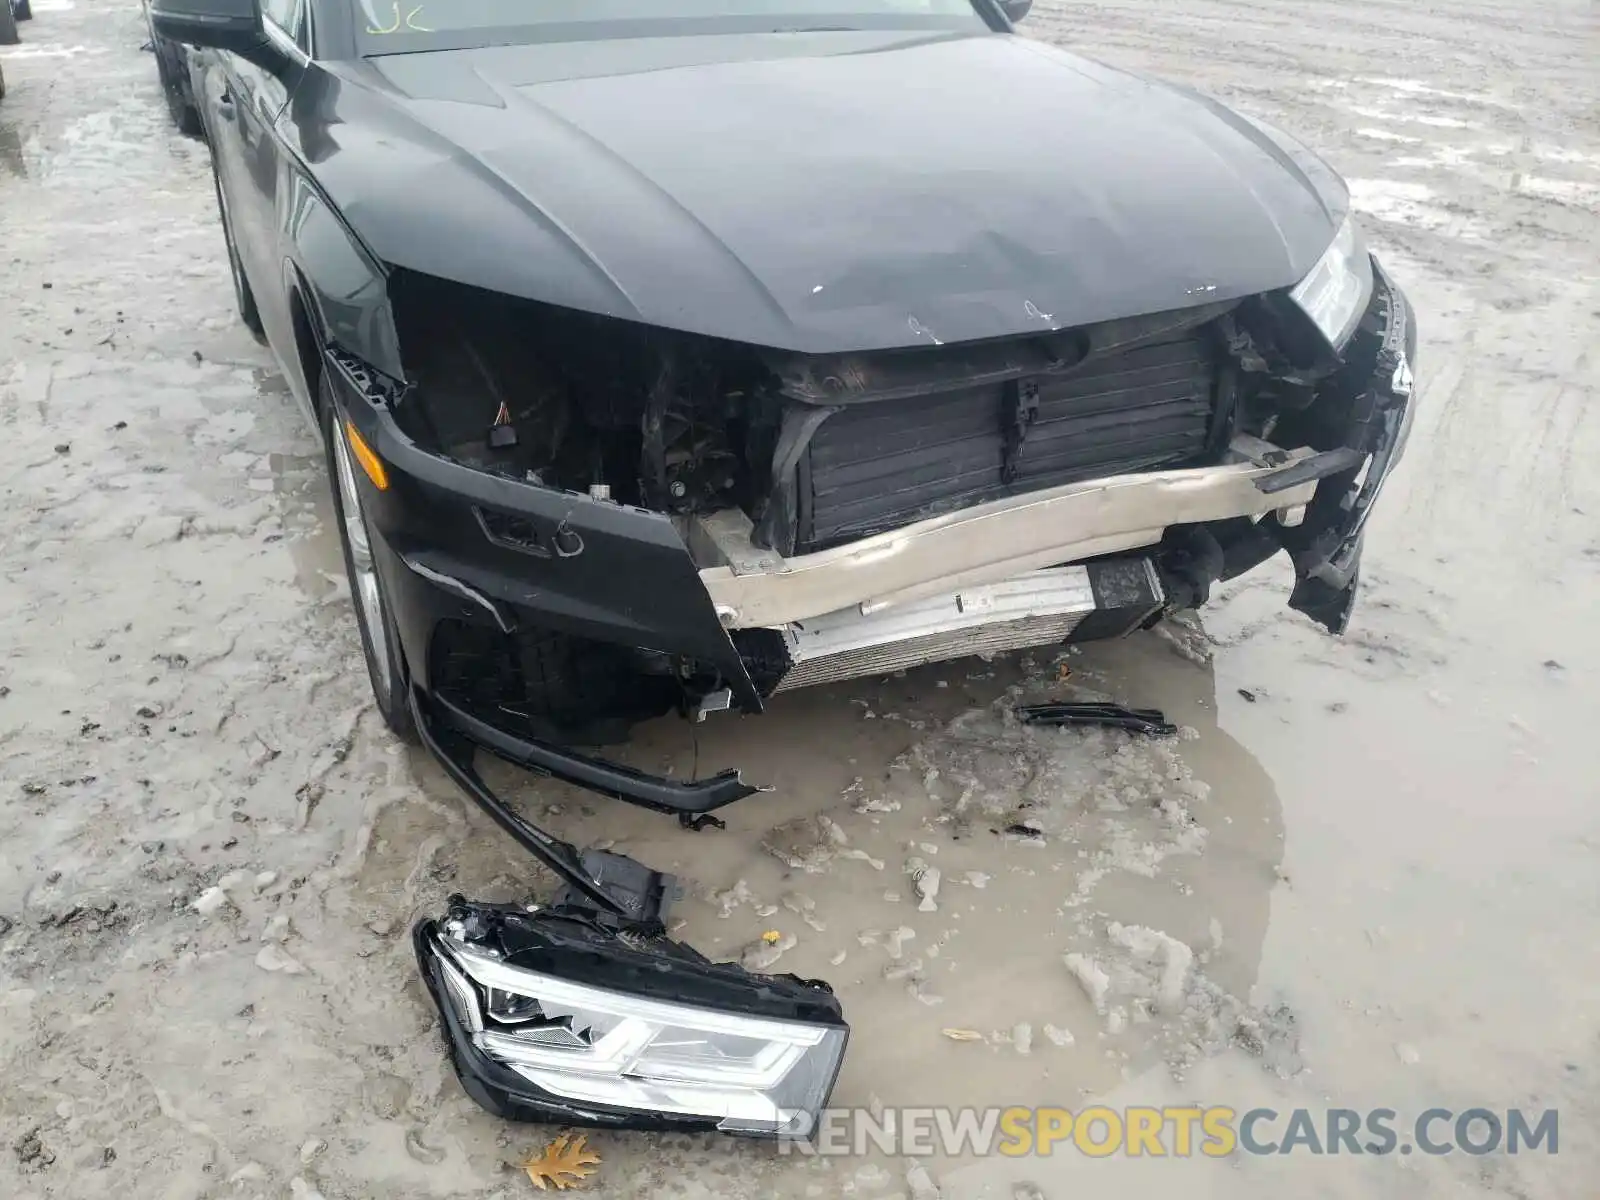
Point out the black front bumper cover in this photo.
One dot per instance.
(1326, 547)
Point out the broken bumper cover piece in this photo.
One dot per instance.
(596, 774)
(555, 1016)
(596, 879)
(1326, 547)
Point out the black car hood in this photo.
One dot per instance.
(814, 192)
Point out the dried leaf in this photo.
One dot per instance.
(962, 1035)
(563, 1163)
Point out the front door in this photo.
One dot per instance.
(250, 165)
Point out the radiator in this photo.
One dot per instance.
(878, 465)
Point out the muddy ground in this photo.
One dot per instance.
(1383, 851)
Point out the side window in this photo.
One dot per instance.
(287, 15)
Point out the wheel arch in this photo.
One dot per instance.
(306, 327)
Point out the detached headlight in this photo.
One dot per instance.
(1335, 292)
(591, 1050)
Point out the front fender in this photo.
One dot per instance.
(343, 285)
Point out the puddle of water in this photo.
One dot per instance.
(11, 157)
(1408, 203)
(1447, 157)
(29, 50)
(1376, 192)
(1562, 154)
(1566, 191)
(878, 778)
(1383, 135)
(1376, 113)
(306, 509)
(1416, 87)
(94, 145)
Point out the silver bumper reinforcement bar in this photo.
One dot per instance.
(994, 542)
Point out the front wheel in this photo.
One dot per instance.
(380, 643)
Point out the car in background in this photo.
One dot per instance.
(172, 66)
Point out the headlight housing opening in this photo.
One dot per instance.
(1336, 291)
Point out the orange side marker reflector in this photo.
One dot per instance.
(370, 462)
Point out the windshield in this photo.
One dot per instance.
(395, 26)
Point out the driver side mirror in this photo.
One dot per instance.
(233, 25)
(1015, 10)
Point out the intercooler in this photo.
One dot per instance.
(881, 464)
(1041, 608)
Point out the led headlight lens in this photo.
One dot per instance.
(1335, 292)
(591, 1045)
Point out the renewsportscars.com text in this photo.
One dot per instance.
(1177, 1132)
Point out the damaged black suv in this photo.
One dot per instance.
(673, 353)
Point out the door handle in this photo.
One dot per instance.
(225, 107)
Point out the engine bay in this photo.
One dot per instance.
(817, 451)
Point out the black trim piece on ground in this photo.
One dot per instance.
(1114, 716)
(591, 878)
(596, 774)
(595, 879)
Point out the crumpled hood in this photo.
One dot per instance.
(816, 192)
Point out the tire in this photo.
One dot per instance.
(8, 25)
(184, 114)
(245, 298)
(22, 10)
(380, 642)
